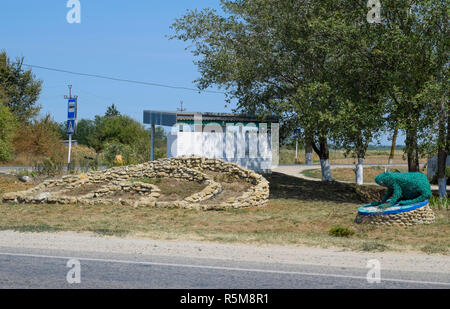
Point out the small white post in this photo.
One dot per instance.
(70, 150)
(152, 145)
(296, 151)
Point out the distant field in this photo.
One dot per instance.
(287, 156)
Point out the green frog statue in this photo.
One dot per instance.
(403, 189)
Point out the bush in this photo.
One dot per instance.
(439, 203)
(40, 139)
(48, 167)
(113, 150)
(339, 231)
(8, 127)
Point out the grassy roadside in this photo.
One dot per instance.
(299, 212)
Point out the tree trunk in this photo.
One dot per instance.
(412, 150)
(394, 144)
(360, 171)
(324, 155)
(308, 154)
(442, 152)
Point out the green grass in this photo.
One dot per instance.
(439, 203)
(340, 231)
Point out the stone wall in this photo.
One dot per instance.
(118, 180)
(422, 215)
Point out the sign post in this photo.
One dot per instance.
(71, 120)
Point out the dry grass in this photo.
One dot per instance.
(176, 189)
(12, 184)
(299, 212)
(79, 152)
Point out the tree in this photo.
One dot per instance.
(322, 64)
(84, 132)
(40, 138)
(20, 88)
(112, 111)
(8, 125)
(273, 57)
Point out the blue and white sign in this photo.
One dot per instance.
(71, 116)
(72, 109)
(71, 126)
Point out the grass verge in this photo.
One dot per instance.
(300, 212)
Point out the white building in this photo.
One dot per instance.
(241, 139)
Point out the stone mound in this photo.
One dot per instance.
(102, 187)
(419, 213)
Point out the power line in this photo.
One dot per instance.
(121, 80)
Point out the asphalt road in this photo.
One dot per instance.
(32, 268)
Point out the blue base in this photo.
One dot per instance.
(375, 210)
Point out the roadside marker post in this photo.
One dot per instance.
(72, 108)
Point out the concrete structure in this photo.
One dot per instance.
(248, 141)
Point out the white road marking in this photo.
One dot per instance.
(221, 268)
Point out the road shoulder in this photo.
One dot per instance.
(276, 254)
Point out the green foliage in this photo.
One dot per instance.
(19, 88)
(87, 164)
(116, 134)
(439, 203)
(40, 138)
(8, 125)
(340, 231)
(322, 67)
(113, 150)
(112, 111)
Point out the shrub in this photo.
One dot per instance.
(40, 139)
(438, 203)
(113, 150)
(8, 127)
(340, 231)
(48, 167)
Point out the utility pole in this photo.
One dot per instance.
(181, 109)
(71, 120)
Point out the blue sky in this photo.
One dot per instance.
(123, 39)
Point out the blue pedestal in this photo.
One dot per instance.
(375, 210)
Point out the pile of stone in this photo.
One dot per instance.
(422, 215)
(119, 180)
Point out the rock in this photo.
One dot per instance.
(25, 178)
(42, 197)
